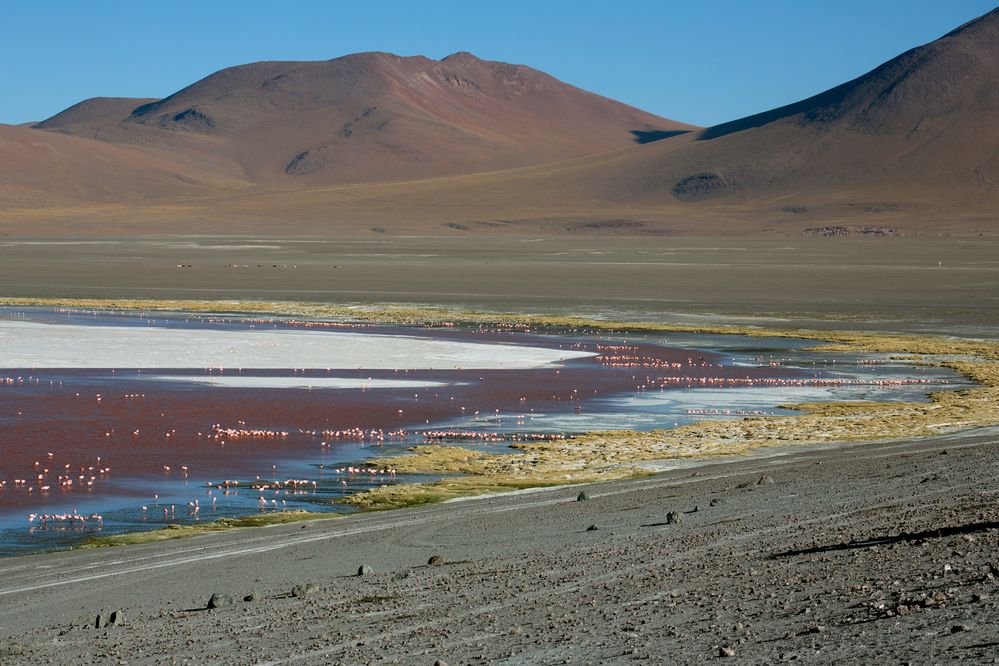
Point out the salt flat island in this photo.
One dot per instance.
(121, 421)
(28, 344)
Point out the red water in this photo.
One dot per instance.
(62, 425)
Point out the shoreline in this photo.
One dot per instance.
(603, 456)
(821, 553)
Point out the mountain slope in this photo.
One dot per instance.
(375, 116)
(49, 171)
(912, 147)
(924, 125)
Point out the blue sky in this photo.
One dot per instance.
(702, 63)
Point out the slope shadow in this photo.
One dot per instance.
(823, 107)
(650, 136)
(903, 536)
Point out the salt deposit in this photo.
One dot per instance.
(25, 344)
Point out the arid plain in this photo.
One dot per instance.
(930, 284)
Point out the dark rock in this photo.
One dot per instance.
(592, 528)
(958, 628)
(436, 560)
(673, 517)
(582, 497)
(218, 601)
(700, 185)
(99, 622)
(302, 590)
(364, 570)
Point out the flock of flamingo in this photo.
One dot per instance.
(273, 494)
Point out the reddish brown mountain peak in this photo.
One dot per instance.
(461, 55)
(375, 116)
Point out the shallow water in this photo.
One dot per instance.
(110, 414)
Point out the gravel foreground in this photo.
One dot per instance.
(878, 553)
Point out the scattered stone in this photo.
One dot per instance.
(116, 619)
(716, 502)
(364, 570)
(582, 497)
(978, 597)
(440, 662)
(592, 528)
(673, 517)
(252, 596)
(218, 601)
(100, 622)
(958, 628)
(765, 480)
(436, 560)
(726, 651)
(302, 590)
(402, 575)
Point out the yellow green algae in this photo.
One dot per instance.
(601, 456)
(222, 524)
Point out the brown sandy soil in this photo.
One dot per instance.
(941, 285)
(873, 553)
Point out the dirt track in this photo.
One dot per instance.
(816, 566)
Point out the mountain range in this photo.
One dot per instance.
(459, 145)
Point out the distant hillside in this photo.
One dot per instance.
(458, 146)
(371, 117)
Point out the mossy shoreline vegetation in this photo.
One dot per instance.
(174, 531)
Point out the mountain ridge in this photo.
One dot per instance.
(417, 146)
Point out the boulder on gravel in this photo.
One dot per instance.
(725, 651)
(582, 497)
(436, 560)
(364, 570)
(592, 528)
(116, 619)
(302, 590)
(218, 600)
(765, 480)
(252, 596)
(673, 517)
